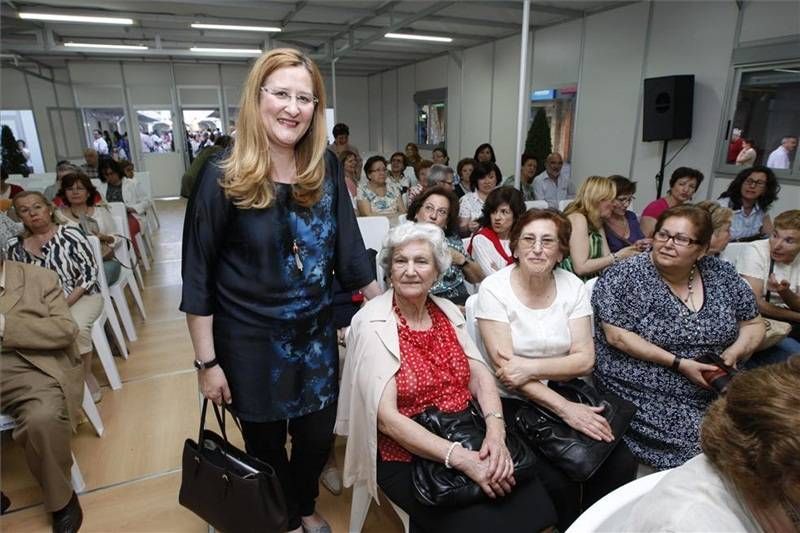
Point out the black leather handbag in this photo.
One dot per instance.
(437, 485)
(228, 488)
(576, 454)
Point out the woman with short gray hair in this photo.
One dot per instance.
(408, 352)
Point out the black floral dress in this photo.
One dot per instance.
(631, 295)
(273, 330)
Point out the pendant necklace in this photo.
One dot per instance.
(295, 248)
(688, 300)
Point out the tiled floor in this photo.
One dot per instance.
(132, 473)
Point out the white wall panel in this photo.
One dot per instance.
(43, 95)
(505, 102)
(196, 74)
(389, 110)
(139, 95)
(454, 111)
(352, 94)
(148, 73)
(406, 108)
(375, 114)
(556, 55)
(100, 73)
(606, 119)
(766, 19)
(94, 96)
(14, 93)
(476, 107)
(431, 74)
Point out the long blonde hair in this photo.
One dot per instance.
(592, 191)
(248, 169)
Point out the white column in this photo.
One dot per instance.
(522, 105)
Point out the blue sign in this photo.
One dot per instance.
(546, 94)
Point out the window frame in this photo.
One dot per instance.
(430, 97)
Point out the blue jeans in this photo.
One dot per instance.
(777, 354)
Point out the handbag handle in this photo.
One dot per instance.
(220, 421)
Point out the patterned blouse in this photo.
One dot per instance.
(385, 205)
(665, 431)
(434, 372)
(67, 253)
(470, 206)
(451, 285)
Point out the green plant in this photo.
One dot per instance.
(538, 142)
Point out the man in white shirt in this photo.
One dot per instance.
(779, 158)
(552, 185)
(99, 144)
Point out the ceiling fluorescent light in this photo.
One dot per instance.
(249, 51)
(52, 17)
(233, 27)
(415, 37)
(107, 46)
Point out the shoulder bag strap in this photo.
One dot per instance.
(771, 270)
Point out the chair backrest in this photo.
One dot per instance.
(122, 253)
(94, 242)
(401, 218)
(564, 203)
(118, 210)
(373, 230)
(472, 327)
(535, 204)
(735, 252)
(611, 512)
(144, 182)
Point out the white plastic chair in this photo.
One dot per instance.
(564, 203)
(735, 251)
(611, 512)
(143, 181)
(472, 327)
(126, 279)
(535, 204)
(373, 230)
(121, 217)
(76, 477)
(107, 305)
(360, 506)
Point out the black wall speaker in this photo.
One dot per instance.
(668, 103)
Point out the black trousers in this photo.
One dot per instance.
(527, 509)
(298, 474)
(570, 497)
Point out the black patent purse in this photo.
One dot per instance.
(437, 485)
(574, 453)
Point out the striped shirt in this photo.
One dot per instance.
(67, 253)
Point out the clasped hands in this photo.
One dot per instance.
(491, 467)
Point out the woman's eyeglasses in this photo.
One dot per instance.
(755, 183)
(530, 241)
(282, 95)
(679, 238)
(429, 210)
(625, 199)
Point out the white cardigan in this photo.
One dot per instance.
(132, 195)
(373, 358)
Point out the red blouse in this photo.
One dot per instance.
(434, 372)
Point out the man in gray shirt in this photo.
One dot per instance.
(551, 186)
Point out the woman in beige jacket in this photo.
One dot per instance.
(406, 352)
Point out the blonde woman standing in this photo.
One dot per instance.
(589, 253)
(267, 226)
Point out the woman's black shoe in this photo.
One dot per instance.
(70, 518)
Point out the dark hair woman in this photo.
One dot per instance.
(490, 246)
(750, 195)
(484, 178)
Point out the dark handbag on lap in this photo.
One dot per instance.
(435, 484)
(576, 454)
(228, 488)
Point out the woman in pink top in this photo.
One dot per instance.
(682, 185)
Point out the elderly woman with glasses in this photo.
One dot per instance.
(622, 226)
(378, 196)
(657, 314)
(439, 205)
(407, 352)
(536, 324)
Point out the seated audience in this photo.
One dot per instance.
(536, 324)
(65, 250)
(407, 352)
(413, 159)
(62, 167)
(588, 249)
(377, 196)
(90, 166)
(747, 155)
(438, 205)
(748, 477)
(127, 169)
(772, 268)
(527, 173)
(750, 195)
(41, 386)
(622, 227)
(423, 170)
(553, 185)
(721, 218)
(341, 140)
(351, 171)
(440, 157)
(115, 188)
(398, 172)
(441, 175)
(463, 175)
(484, 178)
(485, 154)
(80, 209)
(655, 314)
(682, 185)
(489, 246)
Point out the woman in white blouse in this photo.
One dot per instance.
(489, 246)
(535, 320)
(484, 178)
(78, 195)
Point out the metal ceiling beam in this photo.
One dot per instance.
(296, 9)
(541, 8)
(438, 6)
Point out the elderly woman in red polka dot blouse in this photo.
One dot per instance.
(408, 351)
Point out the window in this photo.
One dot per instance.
(431, 118)
(107, 121)
(23, 127)
(155, 130)
(559, 107)
(764, 120)
(233, 116)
